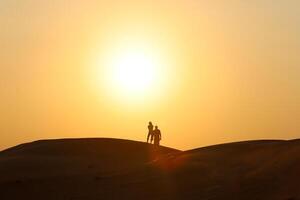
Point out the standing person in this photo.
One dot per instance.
(150, 132)
(157, 136)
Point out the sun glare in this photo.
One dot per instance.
(134, 71)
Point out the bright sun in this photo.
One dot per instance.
(134, 71)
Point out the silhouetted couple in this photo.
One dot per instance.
(153, 135)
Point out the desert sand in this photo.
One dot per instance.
(103, 168)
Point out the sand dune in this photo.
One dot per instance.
(123, 169)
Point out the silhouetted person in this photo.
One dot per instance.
(150, 132)
(157, 136)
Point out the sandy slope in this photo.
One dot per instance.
(122, 169)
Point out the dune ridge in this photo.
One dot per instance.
(105, 168)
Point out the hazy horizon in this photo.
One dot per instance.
(212, 72)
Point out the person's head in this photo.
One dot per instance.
(150, 123)
(156, 127)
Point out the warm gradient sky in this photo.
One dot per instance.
(224, 70)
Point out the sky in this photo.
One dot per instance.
(221, 71)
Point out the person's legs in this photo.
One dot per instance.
(148, 136)
(156, 142)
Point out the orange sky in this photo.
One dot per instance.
(229, 70)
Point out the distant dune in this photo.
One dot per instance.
(122, 169)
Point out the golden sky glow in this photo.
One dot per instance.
(132, 70)
(205, 71)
